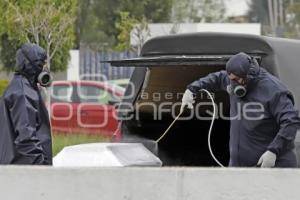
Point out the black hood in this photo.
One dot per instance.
(30, 59)
(243, 66)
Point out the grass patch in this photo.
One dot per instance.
(59, 141)
(3, 86)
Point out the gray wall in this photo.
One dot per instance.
(47, 183)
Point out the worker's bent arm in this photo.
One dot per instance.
(212, 82)
(283, 111)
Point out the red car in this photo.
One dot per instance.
(85, 107)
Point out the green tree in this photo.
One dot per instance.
(99, 19)
(92, 28)
(48, 23)
(193, 11)
(279, 18)
(7, 54)
(293, 21)
(258, 11)
(130, 27)
(125, 25)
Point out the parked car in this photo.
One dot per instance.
(121, 82)
(84, 107)
(167, 64)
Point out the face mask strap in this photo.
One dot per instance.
(252, 70)
(26, 56)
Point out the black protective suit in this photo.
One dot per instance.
(275, 132)
(25, 134)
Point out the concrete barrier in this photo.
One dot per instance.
(49, 183)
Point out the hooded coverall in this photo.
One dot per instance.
(275, 123)
(25, 134)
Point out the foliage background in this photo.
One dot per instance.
(48, 23)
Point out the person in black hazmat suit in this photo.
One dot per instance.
(263, 138)
(25, 135)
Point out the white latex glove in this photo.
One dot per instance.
(267, 159)
(187, 99)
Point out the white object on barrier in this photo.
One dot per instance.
(106, 155)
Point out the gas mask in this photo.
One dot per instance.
(236, 89)
(44, 78)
